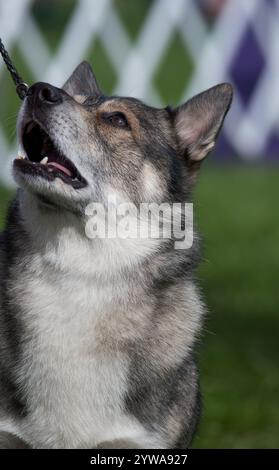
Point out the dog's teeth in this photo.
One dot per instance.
(44, 161)
(20, 156)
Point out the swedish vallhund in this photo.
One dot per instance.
(98, 334)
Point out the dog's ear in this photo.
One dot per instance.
(198, 121)
(82, 82)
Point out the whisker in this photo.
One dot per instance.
(12, 134)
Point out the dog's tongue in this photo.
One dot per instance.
(61, 168)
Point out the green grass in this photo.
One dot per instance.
(238, 216)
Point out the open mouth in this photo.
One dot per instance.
(44, 159)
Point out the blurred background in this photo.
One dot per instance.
(165, 51)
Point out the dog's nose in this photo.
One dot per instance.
(45, 93)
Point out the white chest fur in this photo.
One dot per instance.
(75, 367)
(71, 382)
(79, 315)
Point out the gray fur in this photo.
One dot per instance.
(98, 336)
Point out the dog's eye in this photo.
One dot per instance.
(116, 119)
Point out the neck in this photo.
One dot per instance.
(58, 239)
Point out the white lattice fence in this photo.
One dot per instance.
(214, 55)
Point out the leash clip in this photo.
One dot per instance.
(22, 89)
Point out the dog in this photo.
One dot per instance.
(98, 335)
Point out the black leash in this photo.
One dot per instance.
(21, 87)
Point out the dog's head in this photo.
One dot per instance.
(80, 146)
